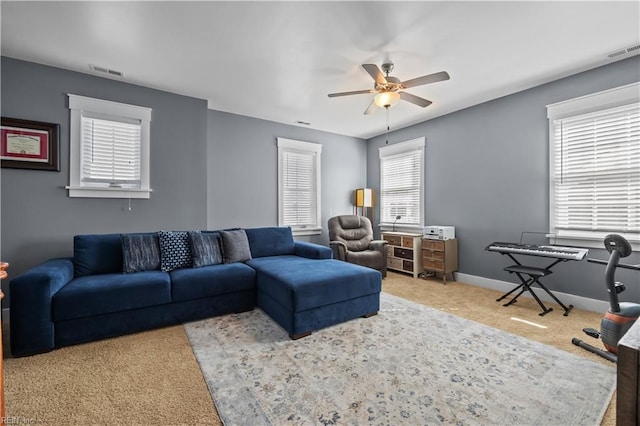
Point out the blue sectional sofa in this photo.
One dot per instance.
(112, 287)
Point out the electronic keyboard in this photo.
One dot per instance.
(557, 252)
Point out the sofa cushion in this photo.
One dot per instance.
(235, 246)
(205, 248)
(299, 284)
(97, 254)
(196, 283)
(140, 252)
(272, 241)
(175, 250)
(102, 294)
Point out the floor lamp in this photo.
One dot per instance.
(364, 201)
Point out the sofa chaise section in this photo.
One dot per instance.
(304, 296)
(304, 292)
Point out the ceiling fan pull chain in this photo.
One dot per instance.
(387, 108)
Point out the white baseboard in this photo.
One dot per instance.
(579, 302)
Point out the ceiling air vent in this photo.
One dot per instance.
(107, 71)
(631, 50)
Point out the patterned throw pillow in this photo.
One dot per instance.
(140, 252)
(205, 248)
(235, 246)
(175, 252)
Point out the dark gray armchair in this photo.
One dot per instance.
(351, 239)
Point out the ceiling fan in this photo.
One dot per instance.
(389, 90)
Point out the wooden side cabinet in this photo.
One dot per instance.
(440, 256)
(403, 252)
(3, 275)
(628, 377)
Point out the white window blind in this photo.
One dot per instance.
(401, 183)
(594, 167)
(597, 171)
(110, 152)
(299, 186)
(109, 149)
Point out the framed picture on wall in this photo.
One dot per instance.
(28, 144)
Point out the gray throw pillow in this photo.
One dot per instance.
(205, 248)
(140, 252)
(175, 251)
(235, 246)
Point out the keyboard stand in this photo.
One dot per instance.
(533, 276)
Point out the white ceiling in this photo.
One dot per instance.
(279, 60)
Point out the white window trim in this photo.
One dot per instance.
(606, 99)
(399, 148)
(290, 144)
(77, 104)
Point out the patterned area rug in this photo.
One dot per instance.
(409, 364)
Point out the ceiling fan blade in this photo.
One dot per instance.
(355, 92)
(371, 108)
(375, 72)
(426, 79)
(421, 102)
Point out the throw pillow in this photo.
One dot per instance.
(175, 252)
(140, 252)
(205, 248)
(95, 254)
(235, 246)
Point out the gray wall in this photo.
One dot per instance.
(487, 175)
(39, 219)
(242, 174)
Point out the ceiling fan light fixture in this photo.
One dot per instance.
(387, 99)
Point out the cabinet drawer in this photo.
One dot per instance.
(431, 254)
(394, 263)
(407, 265)
(433, 244)
(403, 253)
(407, 242)
(389, 251)
(394, 240)
(433, 265)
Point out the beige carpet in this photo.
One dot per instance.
(153, 378)
(149, 378)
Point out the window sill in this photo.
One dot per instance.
(413, 229)
(75, 191)
(592, 240)
(309, 231)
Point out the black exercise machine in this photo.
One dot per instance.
(621, 315)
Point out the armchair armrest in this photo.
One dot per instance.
(30, 302)
(312, 251)
(379, 245)
(339, 250)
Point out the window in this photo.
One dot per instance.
(109, 149)
(595, 167)
(299, 186)
(401, 184)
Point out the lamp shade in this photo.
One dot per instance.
(364, 197)
(386, 99)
